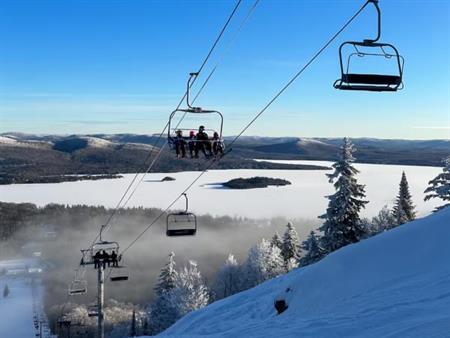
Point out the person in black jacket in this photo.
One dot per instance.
(180, 144)
(217, 144)
(203, 143)
(97, 258)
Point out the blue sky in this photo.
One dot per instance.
(106, 66)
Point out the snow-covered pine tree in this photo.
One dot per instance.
(162, 313)
(227, 281)
(167, 276)
(312, 248)
(276, 241)
(439, 187)
(6, 291)
(403, 210)
(264, 261)
(190, 292)
(290, 249)
(342, 224)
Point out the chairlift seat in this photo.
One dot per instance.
(77, 291)
(118, 278)
(181, 232)
(369, 82)
(373, 79)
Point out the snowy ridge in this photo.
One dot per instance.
(396, 284)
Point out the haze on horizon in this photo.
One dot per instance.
(101, 67)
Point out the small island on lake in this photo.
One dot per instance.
(255, 182)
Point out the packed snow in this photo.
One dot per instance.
(304, 198)
(21, 311)
(396, 284)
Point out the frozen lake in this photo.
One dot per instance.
(303, 199)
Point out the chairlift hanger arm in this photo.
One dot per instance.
(371, 41)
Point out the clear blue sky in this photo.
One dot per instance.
(108, 66)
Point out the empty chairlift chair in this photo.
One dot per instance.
(382, 64)
(119, 272)
(183, 223)
(78, 286)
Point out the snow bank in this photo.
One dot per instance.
(396, 284)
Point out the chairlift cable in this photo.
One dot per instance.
(277, 95)
(227, 49)
(205, 82)
(119, 204)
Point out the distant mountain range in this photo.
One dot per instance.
(47, 158)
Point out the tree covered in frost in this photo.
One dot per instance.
(290, 248)
(342, 224)
(264, 261)
(439, 187)
(162, 312)
(190, 292)
(276, 241)
(312, 249)
(167, 276)
(383, 221)
(227, 280)
(403, 210)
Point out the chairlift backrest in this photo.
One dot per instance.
(182, 223)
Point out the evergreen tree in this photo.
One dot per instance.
(276, 241)
(162, 312)
(167, 277)
(264, 261)
(342, 224)
(190, 292)
(439, 187)
(403, 211)
(133, 332)
(290, 249)
(6, 291)
(312, 248)
(227, 281)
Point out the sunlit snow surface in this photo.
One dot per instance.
(396, 284)
(303, 199)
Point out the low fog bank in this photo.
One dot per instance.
(74, 227)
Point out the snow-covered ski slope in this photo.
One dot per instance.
(396, 284)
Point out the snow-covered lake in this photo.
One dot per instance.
(303, 199)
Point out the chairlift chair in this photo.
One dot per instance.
(77, 287)
(371, 49)
(171, 131)
(119, 273)
(102, 245)
(183, 223)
